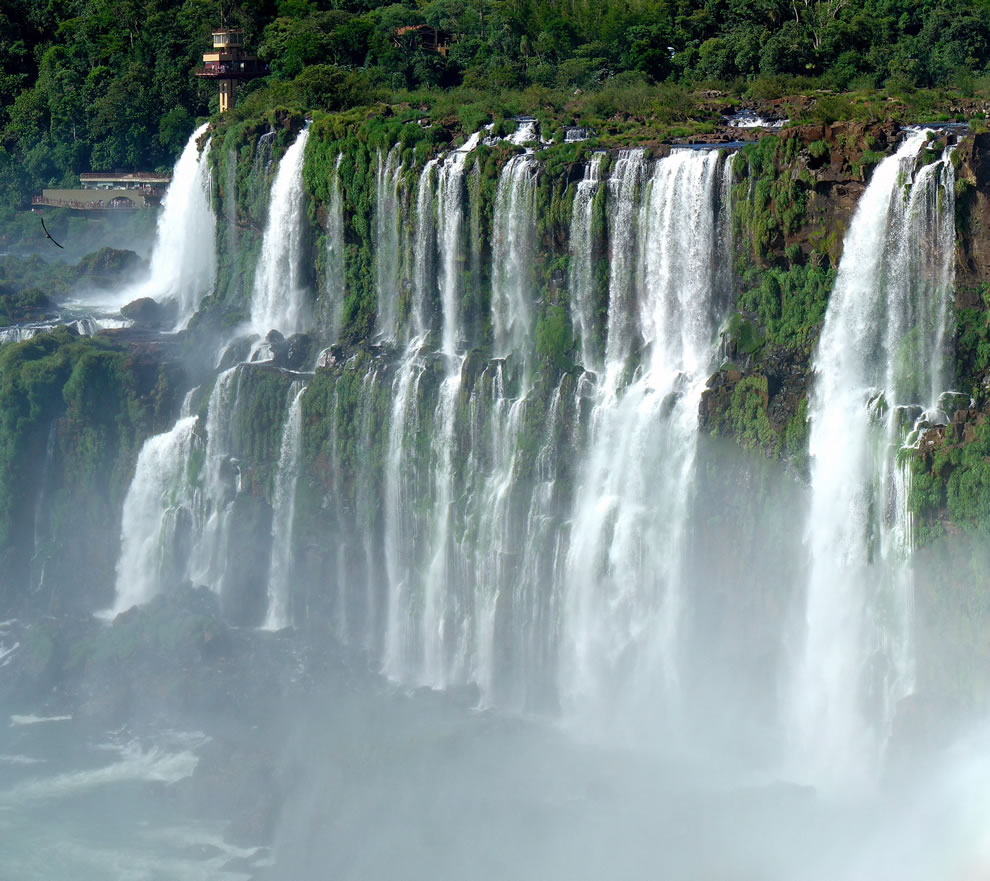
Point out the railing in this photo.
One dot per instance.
(119, 204)
(233, 69)
(149, 176)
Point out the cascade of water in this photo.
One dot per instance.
(336, 257)
(283, 513)
(208, 560)
(402, 534)
(514, 240)
(367, 503)
(525, 132)
(881, 348)
(475, 238)
(443, 622)
(623, 574)
(450, 211)
(38, 557)
(584, 303)
(508, 513)
(623, 197)
(155, 500)
(232, 241)
(424, 252)
(183, 260)
(357, 427)
(388, 253)
(279, 300)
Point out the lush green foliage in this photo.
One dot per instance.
(91, 404)
(954, 478)
(973, 348)
(90, 84)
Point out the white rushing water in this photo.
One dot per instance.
(183, 260)
(450, 214)
(624, 577)
(155, 499)
(881, 350)
(514, 238)
(283, 514)
(486, 578)
(388, 253)
(584, 305)
(177, 511)
(280, 298)
(424, 254)
(336, 257)
(214, 498)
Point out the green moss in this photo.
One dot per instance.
(953, 481)
(746, 416)
(554, 338)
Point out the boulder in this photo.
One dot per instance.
(278, 347)
(298, 351)
(146, 311)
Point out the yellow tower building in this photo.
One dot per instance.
(229, 64)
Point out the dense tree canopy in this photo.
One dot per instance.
(104, 84)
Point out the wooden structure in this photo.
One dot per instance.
(428, 38)
(229, 64)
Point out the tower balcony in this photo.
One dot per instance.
(239, 69)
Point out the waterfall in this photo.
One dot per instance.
(443, 622)
(581, 281)
(388, 249)
(153, 511)
(209, 559)
(283, 514)
(514, 241)
(881, 350)
(623, 196)
(402, 489)
(279, 300)
(450, 211)
(623, 574)
(183, 260)
(335, 257)
(424, 248)
(38, 556)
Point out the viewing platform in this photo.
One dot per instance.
(93, 199)
(243, 69)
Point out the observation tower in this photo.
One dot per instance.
(229, 64)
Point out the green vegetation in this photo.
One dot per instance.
(90, 404)
(955, 479)
(90, 84)
(973, 347)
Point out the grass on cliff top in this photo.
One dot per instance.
(624, 110)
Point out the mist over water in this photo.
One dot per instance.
(493, 620)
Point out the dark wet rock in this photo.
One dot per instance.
(951, 402)
(44, 660)
(109, 264)
(278, 348)
(236, 353)
(299, 351)
(148, 312)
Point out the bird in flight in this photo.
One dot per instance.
(48, 235)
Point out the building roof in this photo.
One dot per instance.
(143, 177)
